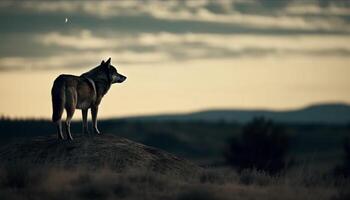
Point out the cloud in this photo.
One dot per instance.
(85, 48)
(78, 60)
(254, 20)
(225, 12)
(314, 9)
(80, 45)
(85, 40)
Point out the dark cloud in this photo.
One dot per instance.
(23, 22)
(341, 3)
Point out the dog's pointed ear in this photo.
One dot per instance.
(102, 63)
(108, 62)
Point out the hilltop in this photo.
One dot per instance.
(117, 153)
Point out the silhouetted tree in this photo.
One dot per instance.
(262, 146)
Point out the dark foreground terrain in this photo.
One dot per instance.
(133, 162)
(48, 183)
(111, 167)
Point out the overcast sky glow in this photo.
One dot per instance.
(179, 56)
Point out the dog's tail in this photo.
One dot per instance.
(58, 98)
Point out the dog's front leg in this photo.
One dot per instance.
(84, 113)
(94, 111)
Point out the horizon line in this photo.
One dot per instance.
(306, 106)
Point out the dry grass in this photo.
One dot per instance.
(20, 181)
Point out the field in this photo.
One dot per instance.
(17, 182)
(316, 150)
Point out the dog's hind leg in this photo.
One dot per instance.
(94, 111)
(57, 120)
(70, 112)
(58, 101)
(70, 105)
(59, 130)
(84, 113)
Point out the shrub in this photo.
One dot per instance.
(344, 169)
(262, 146)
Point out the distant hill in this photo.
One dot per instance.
(322, 113)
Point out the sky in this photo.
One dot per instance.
(179, 56)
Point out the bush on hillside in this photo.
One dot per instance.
(262, 146)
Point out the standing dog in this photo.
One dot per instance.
(82, 92)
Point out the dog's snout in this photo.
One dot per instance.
(121, 78)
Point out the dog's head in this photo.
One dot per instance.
(112, 72)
